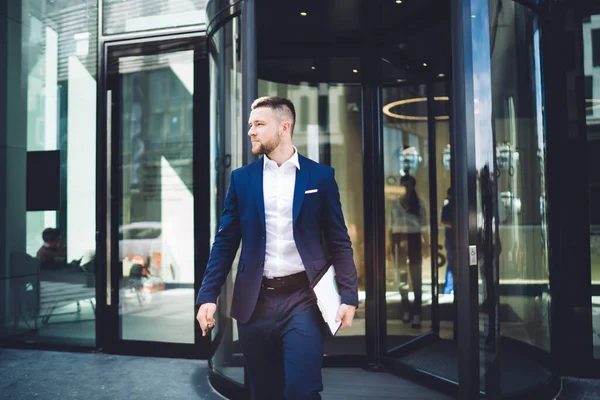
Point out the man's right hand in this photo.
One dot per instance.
(205, 317)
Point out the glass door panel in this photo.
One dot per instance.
(227, 134)
(328, 130)
(591, 36)
(446, 263)
(152, 159)
(513, 254)
(409, 273)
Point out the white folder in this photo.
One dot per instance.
(328, 296)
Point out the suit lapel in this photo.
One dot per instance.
(256, 177)
(300, 187)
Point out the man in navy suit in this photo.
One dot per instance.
(286, 211)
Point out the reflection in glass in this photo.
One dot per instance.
(227, 135)
(142, 15)
(55, 294)
(591, 28)
(407, 208)
(156, 248)
(520, 138)
(407, 221)
(512, 250)
(446, 251)
(411, 213)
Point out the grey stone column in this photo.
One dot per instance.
(16, 272)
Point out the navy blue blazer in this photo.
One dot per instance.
(316, 216)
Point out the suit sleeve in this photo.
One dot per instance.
(224, 249)
(338, 242)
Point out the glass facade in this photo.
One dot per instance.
(156, 227)
(55, 300)
(456, 248)
(413, 265)
(139, 15)
(418, 263)
(591, 50)
(227, 132)
(518, 125)
(512, 250)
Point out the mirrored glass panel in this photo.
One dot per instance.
(54, 299)
(522, 245)
(142, 15)
(413, 114)
(512, 247)
(591, 38)
(156, 230)
(227, 134)
(407, 210)
(446, 249)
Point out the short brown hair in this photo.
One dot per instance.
(279, 104)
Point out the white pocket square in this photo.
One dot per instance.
(311, 191)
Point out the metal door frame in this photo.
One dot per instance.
(107, 179)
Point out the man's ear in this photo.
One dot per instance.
(286, 128)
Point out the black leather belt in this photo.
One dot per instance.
(294, 281)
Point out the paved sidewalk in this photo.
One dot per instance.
(580, 389)
(50, 375)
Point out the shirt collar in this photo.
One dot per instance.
(293, 160)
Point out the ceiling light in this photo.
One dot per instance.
(424, 64)
(398, 1)
(387, 109)
(303, 14)
(355, 71)
(441, 75)
(313, 67)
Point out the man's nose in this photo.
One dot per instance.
(251, 132)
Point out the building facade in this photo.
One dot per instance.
(123, 121)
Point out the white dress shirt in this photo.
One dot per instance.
(282, 257)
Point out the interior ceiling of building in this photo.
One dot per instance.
(324, 40)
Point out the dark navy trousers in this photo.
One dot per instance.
(282, 344)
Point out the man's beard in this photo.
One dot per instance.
(267, 147)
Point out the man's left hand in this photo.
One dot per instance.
(346, 315)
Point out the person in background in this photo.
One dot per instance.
(409, 238)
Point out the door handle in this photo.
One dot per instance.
(108, 197)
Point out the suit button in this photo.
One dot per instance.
(262, 263)
(264, 237)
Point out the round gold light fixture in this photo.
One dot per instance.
(387, 109)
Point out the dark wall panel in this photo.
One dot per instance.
(43, 180)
